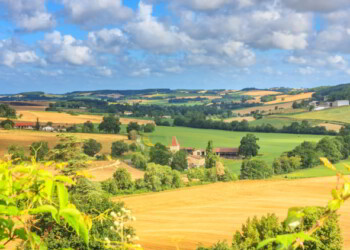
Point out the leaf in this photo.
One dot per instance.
(74, 218)
(334, 205)
(327, 163)
(21, 233)
(266, 242)
(9, 210)
(335, 194)
(346, 189)
(295, 215)
(45, 209)
(48, 188)
(62, 195)
(64, 179)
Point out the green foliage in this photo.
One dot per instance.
(110, 186)
(133, 147)
(7, 124)
(285, 164)
(249, 146)
(210, 157)
(308, 153)
(133, 126)
(119, 148)
(37, 124)
(159, 177)
(179, 161)
(255, 169)
(122, 179)
(139, 161)
(39, 150)
(330, 148)
(68, 149)
(110, 124)
(92, 147)
(17, 153)
(88, 127)
(7, 111)
(149, 128)
(132, 135)
(160, 154)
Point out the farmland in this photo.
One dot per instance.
(206, 214)
(291, 98)
(26, 138)
(271, 145)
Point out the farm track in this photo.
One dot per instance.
(186, 217)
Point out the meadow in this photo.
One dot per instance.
(184, 218)
(271, 145)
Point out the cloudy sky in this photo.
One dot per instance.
(63, 45)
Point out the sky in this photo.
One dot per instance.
(59, 46)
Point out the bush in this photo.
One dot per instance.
(39, 149)
(92, 147)
(132, 135)
(285, 164)
(133, 147)
(330, 149)
(179, 161)
(139, 161)
(122, 179)
(133, 126)
(255, 169)
(149, 128)
(17, 153)
(310, 156)
(7, 123)
(8, 126)
(119, 148)
(159, 177)
(110, 186)
(160, 154)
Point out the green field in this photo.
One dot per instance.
(341, 115)
(278, 122)
(271, 145)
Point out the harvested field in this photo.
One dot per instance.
(330, 126)
(206, 214)
(260, 93)
(267, 108)
(239, 119)
(67, 119)
(103, 170)
(291, 98)
(26, 138)
(210, 97)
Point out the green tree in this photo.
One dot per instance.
(123, 179)
(92, 147)
(139, 161)
(133, 126)
(249, 146)
(159, 177)
(7, 111)
(179, 161)
(110, 124)
(133, 147)
(149, 128)
(132, 135)
(7, 123)
(210, 157)
(308, 153)
(88, 127)
(330, 149)
(17, 153)
(39, 149)
(285, 164)
(37, 124)
(119, 148)
(160, 154)
(255, 169)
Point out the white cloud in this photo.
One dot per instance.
(316, 5)
(141, 72)
(296, 60)
(92, 13)
(104, 71)
(307, 71)
(66, 49)
(30, 15)
(107, 40)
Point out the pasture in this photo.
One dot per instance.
(25, 138)
(184, 218)
(271, 145)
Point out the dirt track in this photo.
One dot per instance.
(207, 214)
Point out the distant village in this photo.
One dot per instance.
(31, 126)
(196, 157)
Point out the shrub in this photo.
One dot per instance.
(39, 149)
(139, 161)
(308, 153)
(7, 126)
(133, 126)
(92, 147)
(119, 148)
(122, 179)
(160, 154)
(7, 123)
(132, 135)
(149, 128)
(286, 164)
(330, 149)
(88, 127)
(179, 161)
(133, 147)
(255, 169)
(159, 177)
(17, 153)
(110, 186)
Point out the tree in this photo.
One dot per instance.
(133, 147)
(149, 128)
(88, 127)
(49, 124)
(119, 148)
(110, 124)
(255, 169)
(249, 146)
(132, 135)
(330, 149)
(286, 164)
(139, 161)
(160, 154)
(308, 153)
(7, 123)
(39, 149)
(7, 111)
(210, 157)
(92, 147)
(17, 153)
(37, 124)
(179, 161)
(133, 126)
(123, 179)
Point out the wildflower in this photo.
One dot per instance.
(113, 214)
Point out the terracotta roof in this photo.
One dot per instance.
(174, 142)
(24, 124)
(226, 150)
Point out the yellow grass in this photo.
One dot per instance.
(239, 119)
(261, 93)
(330, 126)
(210, 97)
(291, 98)
(67, 119)
(287, 107)
(207, 214)
(26, 138)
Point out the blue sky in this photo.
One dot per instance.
(59, 46)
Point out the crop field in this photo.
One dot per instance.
(183, 219)
(67, 119)
(239, 119)
(260, 93)
(26, 138)
(291, 98)
(271, 145)
(341, 114)
(281, 108)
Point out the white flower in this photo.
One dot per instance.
(116, 223)
(113, 214)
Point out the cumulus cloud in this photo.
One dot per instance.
(104, 71)
(107, 40)
(89, 13)
(66, 49)
(307, 71)
(319, 5)
(29, 15)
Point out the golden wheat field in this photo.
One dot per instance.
(239, 119)
(287, 107)
(291, 98)
(182, 219)
(26, 138)
(67, 119)
(261, 93)
(330, 126)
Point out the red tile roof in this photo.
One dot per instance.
(174, 142)
(24, 124)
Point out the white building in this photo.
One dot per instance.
(340, 103)
(48, 129)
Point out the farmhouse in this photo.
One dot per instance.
(48, 129)
(340, 103)
(24, 125)
(227, 152)
(195, 161)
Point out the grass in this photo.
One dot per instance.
(276, 122)
(271, 145)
